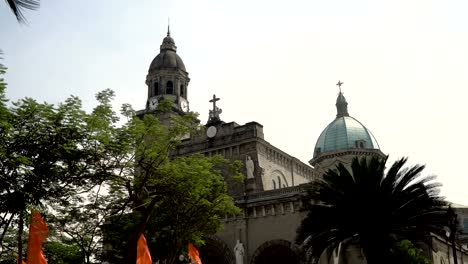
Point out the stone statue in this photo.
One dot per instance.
(249, 165)
(239, 252)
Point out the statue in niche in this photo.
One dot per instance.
(249, 165)
(239, 252)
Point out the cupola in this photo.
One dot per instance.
(344, 134)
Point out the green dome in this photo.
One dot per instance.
(345, 132)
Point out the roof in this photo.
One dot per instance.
(345, 132)
(167, 57)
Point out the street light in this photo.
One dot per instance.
(452, 216)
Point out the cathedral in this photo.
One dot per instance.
(270, 196)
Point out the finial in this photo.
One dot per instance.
(341, 104)
(339, 85)
(168, 29)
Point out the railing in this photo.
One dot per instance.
(272, 193)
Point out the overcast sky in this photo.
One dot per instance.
(403, 63)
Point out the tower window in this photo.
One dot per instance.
(156, 88)
(182, 92)
(279, 182)
(169, 88)
(274, 184)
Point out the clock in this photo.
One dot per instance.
(184, 105)
(153, 103)
(211, 132)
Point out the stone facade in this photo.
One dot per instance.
(441, 252)
(271, 199)
(236, 142)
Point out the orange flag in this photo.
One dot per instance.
(143, 253)
(37, 234)
(193, 254)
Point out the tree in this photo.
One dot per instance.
(41, 157)
(79, 224)
(195, 210)
(406, 253)
(85, 169)
(181, 196)
(372, 209)
(48, 156)
(17, 7)
(63, 252)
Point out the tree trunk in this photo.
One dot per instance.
(20, 237)
(5, 228)
(132, 245)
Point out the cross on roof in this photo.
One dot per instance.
(339, 85)
(214, 101)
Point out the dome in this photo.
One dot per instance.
(345, 132)
(167, 57)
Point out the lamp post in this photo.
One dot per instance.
(452, 216)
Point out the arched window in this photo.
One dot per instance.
(169, 88)
(182, 92)
(156, 88)
(360, 143)
(274, 184)
(279, 182)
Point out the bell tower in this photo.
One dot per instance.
(167, 78)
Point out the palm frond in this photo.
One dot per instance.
(372, 208)
(18, 6)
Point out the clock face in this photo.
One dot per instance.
(184, 105)
(211, 132)
(153, 103)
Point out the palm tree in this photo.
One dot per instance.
(17, 7)
(373, 210)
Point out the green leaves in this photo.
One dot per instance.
(406, 253)
(196, 202)
(86, 169)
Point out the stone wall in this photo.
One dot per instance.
(442, 252)
(266, 216)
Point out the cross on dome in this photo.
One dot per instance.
(339, 85)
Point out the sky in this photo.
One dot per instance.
(403, 64)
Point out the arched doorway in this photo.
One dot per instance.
(276, 252)
(215, 251)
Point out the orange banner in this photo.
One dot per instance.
(143, 253)
(193, 254)
(37, 234)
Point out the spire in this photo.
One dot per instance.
(168, 29)
(168, 42)
(341, 104)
